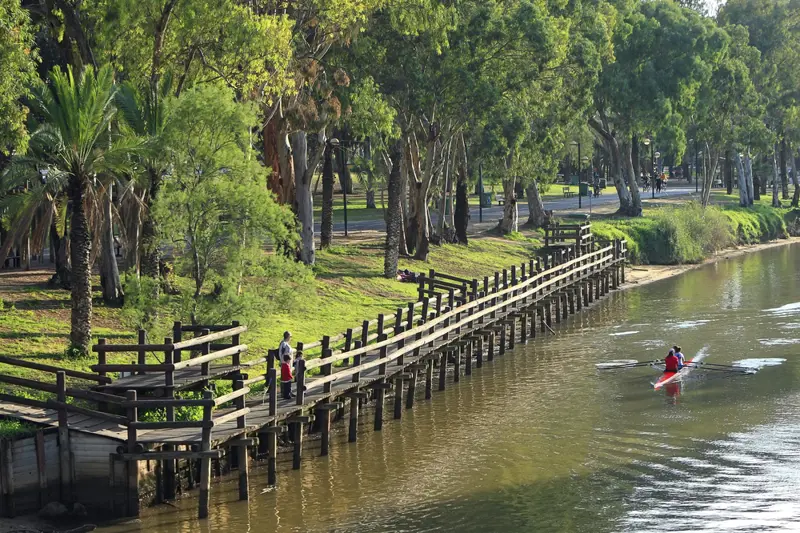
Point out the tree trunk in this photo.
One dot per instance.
(795, 179)
(305, 200)
(537, 217)
(743, 198)
(109, 275)
(461, 211)
(327, 197)
(286, 182)
(405, 248)
(728, 172)
(80, 253)
(422, 231)
(394, 215)
(272, 158)
(751, 191)
(625, 202)
(371, 199)
(636, 156)
(784, 174)
(776, 201)
(150, 255)
(510, 221)
(633, 186)
(63, 274)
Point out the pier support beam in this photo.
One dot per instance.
(442, 369)
(297, 429)
(412, 384)
(490, 353)
(244, 471)
(272, 453)
(380, 392)
(355, 401)
(428, 379)
(479, 359)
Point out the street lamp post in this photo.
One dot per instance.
(696, 168)
(591, 191)
(580, 206)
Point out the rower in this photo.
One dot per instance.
(671, 362)
(679, 355)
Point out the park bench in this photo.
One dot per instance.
(501, 200)
(568, 193)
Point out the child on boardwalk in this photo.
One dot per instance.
(286, 377)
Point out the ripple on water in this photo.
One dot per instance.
(785, 310)
(622, 333)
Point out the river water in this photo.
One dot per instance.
(539, 441)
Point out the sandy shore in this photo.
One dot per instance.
(644, 274)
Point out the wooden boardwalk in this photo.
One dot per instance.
(442, 336)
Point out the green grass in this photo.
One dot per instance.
(689, 233)
(15, 429)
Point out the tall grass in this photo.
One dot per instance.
(690, 233)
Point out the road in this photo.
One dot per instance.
(564, 206)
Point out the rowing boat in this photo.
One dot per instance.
(671, 377)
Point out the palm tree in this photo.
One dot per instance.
(76, 115)
(146, 115)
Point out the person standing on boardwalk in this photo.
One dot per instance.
(286, 378)
(285, 348)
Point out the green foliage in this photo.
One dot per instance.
(17, 63)
(689, 234)
(15, 429)
(214, 202)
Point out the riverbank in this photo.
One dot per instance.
(638, 275)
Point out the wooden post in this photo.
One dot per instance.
(205, 349)
(468, 358)
(479, 361)
(236, 359)
(324, 416)
(379, 400)
(352, 435)
(101, 356)
(297, 452)
(41, 467)
(357, 362)
(424, 314)
(301, 382)
(272, 437)
(412, 387)
(512, 334)
(597, 281)
(177, 336)
(348, 344)
(382, 337)
(7, 490)
(485, 284)
(571, 296)
(421, 295)
(558, 307)
(131, 466)
(65, 446)
(490, 353)
(457, 366)
(429, 379)
(503, 341)
(410, 317)
(364, 332)
(442, 369)
(205, 462)
(168, 466)
(496, 282)
(142, 353)
(398, 398)
(241, 449)
(326, 370)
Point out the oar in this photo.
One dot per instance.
(727, 369)
(716, 365)
(613, 365)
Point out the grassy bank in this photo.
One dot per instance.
(346, 288)
(689, 234)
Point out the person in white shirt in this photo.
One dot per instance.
(285, 349)
(680, 356)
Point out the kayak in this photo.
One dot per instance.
(671, 377)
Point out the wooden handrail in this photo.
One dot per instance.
(132, 367)
(409, 348)
(315, 363)
(114, 419)
(54, 369)
(160, 404)
(231, 396)
(213, 356)
(130, 347)
(230, 416)
(203, 339)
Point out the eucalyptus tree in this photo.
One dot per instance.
(17, 63)
(662, 54)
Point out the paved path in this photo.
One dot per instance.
(493, 214)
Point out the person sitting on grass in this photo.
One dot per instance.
(286, 378)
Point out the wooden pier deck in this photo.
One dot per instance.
(456, 326)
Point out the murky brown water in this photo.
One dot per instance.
(539, 441)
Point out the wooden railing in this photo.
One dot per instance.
(580, 234)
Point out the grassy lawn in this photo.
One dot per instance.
(348, 288)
